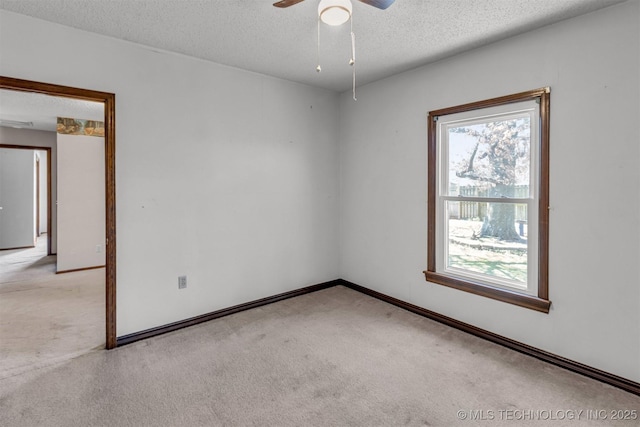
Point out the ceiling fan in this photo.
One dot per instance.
(337, 12)
(380, 4)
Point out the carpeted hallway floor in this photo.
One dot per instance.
(46, 318)
(331, 358)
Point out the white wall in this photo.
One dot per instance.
(37, 138)
(17, 198)
(43, 191)
(591, 63)
(227, 176)
(81, 202)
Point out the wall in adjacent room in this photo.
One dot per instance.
(17, 188)
(81, 202)
(591, 64)
(38, 138)
(223, 175)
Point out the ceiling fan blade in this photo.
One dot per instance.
(286, 3)
(380, 4)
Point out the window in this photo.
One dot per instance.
(488, 198)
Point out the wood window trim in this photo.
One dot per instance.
(540, 302)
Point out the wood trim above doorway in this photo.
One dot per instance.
(108, 99)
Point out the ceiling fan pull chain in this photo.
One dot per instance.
(354, 83)
(353, 45)
(318, 68)
(352, 61)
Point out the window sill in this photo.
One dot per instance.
(504, 295)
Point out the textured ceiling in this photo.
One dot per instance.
(254, 35)
(44, 110)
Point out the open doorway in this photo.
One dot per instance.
(25, 213)
(108, 273)
(45, 317)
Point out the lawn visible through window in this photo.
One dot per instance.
(469, 250)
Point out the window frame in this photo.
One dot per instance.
(539, 300)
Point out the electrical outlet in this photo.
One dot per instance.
(182, 282)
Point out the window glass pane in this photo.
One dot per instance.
(489, 239)
(489, 157)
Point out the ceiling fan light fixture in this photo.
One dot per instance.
(334, 12)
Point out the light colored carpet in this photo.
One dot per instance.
(22, 265)
(46, 318)
(331, 358)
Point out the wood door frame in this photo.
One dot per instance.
(49, 187)
(109, 101)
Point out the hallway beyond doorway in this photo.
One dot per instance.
(45, 317)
